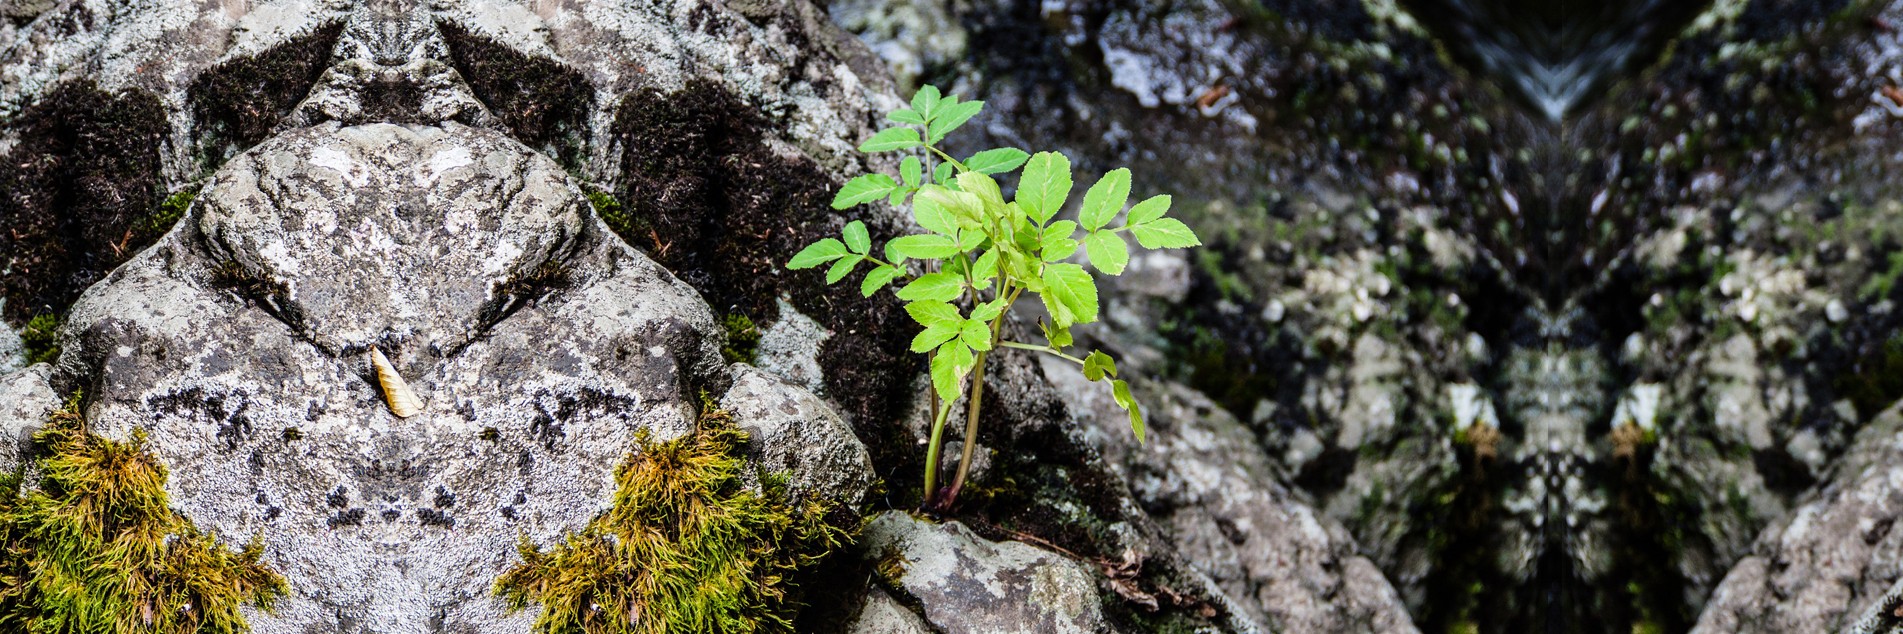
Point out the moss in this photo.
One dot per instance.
(84, 171)
(743, 339)
(685, 548)
(154, 225)
(544, 103)
(41, 338)
(612, 213)
(241, 100)
(97, 547)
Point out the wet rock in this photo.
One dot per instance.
(965, 583)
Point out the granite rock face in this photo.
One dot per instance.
(966, 583)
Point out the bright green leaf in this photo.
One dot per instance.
(817, 253)
(1099, 365)
(935, 314)
(1105, 199)
(879, 277)
(1057, 249)
(891, 139)
(863, 189)
(906, 115)
(996, 161)
(935, 287)
(931, 337)
(1120, 390)
(966, 207)
(910, 171)
(949, 117)
(894, 256)
(988, 310)
(925, 101)
(930, 212)
(923, 246)
(1073, 289)
(1045, 186)
(1164, 233)
(976, 334)
(1059, 336)
(985, 267)
(942, 173)
(1107, 252)
(949, 367)
(1150, 209)
(985, 189)
(856, 239)
(842, 268)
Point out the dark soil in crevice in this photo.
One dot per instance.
(240, 101)
(705, 194)
(74, 191)
(543, 103)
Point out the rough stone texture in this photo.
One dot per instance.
(790, 431)
(12, 350)
(968, 584)
(26, 399)
(1203, 477)
(884, 615)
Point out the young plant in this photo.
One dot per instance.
(980, 254)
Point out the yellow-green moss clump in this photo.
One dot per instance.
(686, 547)
(97, 548)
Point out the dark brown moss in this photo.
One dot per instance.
(85, 171)
(707, 197)
(544, 103)
(241, 100)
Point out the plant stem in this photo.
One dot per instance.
(977, 397)
(1044, 349)
(931, 450)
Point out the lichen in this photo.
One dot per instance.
(97, 548)
(686, 547)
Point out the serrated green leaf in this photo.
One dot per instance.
(931, 337)
(985, 267)
(949, 367)
(1099, 365)
(1120, 390)
(910, 171)
(905, 115)
(1058, 336)
(976, 335)
(891, 139)
(817, 253)
(1150, 209)
(877, 278)
(985, 189)
(966, 208)
(935, 314)
(1164, 233)
(942, 173)
(934, 287)
(1107, 252)
(949, 117)
(1045, 186)
(1105, 199)
(988, 310)
(1057, 249)
(894, 256)
(842, 268)
(923, 247)
(857, 241)
(996, 161)
(925, 101)
(1074, 291)
(898, 196)
(863, 189)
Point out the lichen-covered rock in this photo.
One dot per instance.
(789, 431)
(968, 584)
(884, 615)
(26, 398)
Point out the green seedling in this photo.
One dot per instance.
(979, 254)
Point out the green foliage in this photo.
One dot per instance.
(168, 213)
(980, 253)
(612, 213)
(97, 547)
(41, 338)
(743, 339)
(685, 548)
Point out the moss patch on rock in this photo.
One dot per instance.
(544, 103)
(85, 170)
(241, 100)
(687, 547)
(41, 339)
(97, 548)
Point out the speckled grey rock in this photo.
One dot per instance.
(790, 431)
(968, 584)
(12, 350)
(1201, 474)
(26, 398)
(884, 615)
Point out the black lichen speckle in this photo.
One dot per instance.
(242, 100)
(434, 518)
(352, 517)
(544, 103)
(83, 173)
(338, 498)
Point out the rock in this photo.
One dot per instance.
(884, 615)
(1834, 558)
(1219, 496)
(26, 399)
(791, 432)
(966, 583)
(12, 350)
